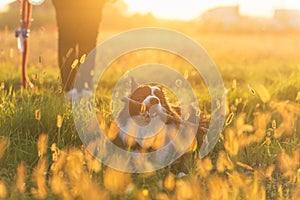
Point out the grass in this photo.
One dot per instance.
(256, 157)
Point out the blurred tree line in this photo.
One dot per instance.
(41, 15)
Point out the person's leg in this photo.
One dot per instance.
(85, 78)
(67, 41)
(87, 42)
(67, 54)
(78, 22)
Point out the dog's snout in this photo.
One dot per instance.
(151, 100)
(154, 100)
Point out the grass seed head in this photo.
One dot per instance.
(231, 143)
(233, 84)
(219, 188)
(169, 182)
(224, 162)
(2, 86)
(113, 130)
(39, 178)
(3, 190)
(3, 145)
(42, 144)
(55, 152)
(21, 175)
(38, 114)
(59, 121)
(204, 167)
(75, 164)
(75, 64)
(274, 124)
(252, 91)
(60, 89)
(188, 189)
(82, 58)
(59, 162)
(229, 119)
(116, 181)
(183, 189)
(145, 192)
(59, 187)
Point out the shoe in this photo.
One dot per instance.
(72, 94)
(181, 175)
(79, 97)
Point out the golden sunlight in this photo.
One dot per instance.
(190, 9)
(171, 9)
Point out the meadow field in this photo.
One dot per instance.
(256, 157)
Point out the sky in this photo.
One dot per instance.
(189, 9)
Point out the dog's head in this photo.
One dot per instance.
(146, 110)
(146, 102)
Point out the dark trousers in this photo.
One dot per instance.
(78, 24)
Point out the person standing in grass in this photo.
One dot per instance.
(78, 24)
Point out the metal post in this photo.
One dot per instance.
(23, 41)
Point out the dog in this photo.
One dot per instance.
(148, 121)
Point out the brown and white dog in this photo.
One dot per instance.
(147, 120)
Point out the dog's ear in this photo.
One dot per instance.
(134, 84)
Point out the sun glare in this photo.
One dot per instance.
(5, 2)
(190, 9)
(170, 9)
